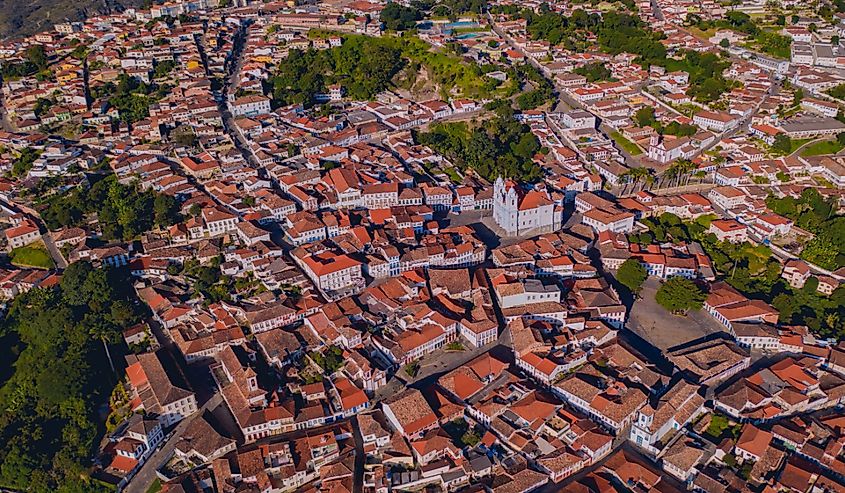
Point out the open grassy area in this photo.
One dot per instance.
(446, 69)
(155, 487)
(34, 255)
(821, 148)
(796, 144)
(632, 148)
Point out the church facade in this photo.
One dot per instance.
(520, 212)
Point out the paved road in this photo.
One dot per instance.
(230, 87)
(360, 457)
(660, 328)
(55, 253)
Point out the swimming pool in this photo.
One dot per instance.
(460, 25)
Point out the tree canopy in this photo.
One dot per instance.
(123, 211)
(679, 295)
(755, 272)
(632, 275)
(816, 214)
(53, 344)
(500, 146)
(364, 66)
(397, 17)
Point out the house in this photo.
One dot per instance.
(22, 234)
(331, 271)
(409, 413)
(762, 336)
(824, 108)
(681, 404)
(716, 121)
(155, 390)
(250, 105)
(727, 305)
(796, 272)
(610, 403)
(726, 197)
(729, 230)
(752, 443)
(612, 220)
(804, 128)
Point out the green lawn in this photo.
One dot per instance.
(155, 487)
(821, 148)
(632, 148)
(34, 255)
(796, 144)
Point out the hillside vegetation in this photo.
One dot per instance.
(23, 18)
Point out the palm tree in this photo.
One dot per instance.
(105, 333)
(678, 169)
(638, 174)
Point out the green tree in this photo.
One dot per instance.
(679, 295)
(594, 72)
(782, 144)
(821, 251)
(632, 275)
(166, 210)
(51, 398)
(397, 17)
(645, 117)
(36, 55)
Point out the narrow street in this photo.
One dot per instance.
(229, 89)
(360, 457)
(147, 473)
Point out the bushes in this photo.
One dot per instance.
(329, 360)
(412, 368)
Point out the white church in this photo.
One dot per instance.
(520, 212)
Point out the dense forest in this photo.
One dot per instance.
(123, 211)
(55, 375)
(498, 146)
(366, 66)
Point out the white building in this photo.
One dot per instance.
(250, 106)
(519, 212)
(716, 121)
